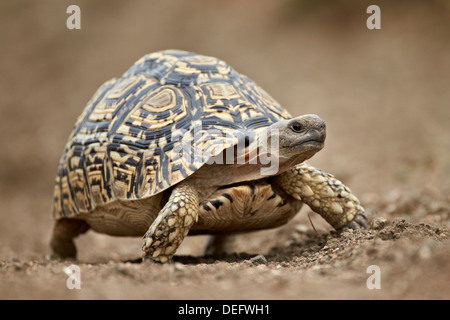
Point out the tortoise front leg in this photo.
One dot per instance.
(172, 224)
(324, 194)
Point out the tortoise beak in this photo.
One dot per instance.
(310, 131)
(315, 136)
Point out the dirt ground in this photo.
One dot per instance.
(384, 95)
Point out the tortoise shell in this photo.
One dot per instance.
(128, 143)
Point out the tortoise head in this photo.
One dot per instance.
(269, 152)
(292, 141)
(303, 135)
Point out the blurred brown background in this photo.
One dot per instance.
(384, 94)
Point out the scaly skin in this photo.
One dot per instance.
(324, 194)
(172, 224)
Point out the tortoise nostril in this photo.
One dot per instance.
(321, 125)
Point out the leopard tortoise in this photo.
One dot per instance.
(182, 144)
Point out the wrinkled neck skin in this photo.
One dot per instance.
(224, 174)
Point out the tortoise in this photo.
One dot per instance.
(182, 144)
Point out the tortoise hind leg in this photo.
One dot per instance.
(220, 244)
(62, 241)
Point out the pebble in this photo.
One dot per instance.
(378, 223)
(179, 266)
(259, 259)
(301, 228)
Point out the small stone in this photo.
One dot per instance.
(378, 223)
(259, 259)
(301, 228)
(179, 266)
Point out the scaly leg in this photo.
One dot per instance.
(62, 241)
(172, 224)
(324, 194)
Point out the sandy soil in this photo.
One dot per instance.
(383, 94)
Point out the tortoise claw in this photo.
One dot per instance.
(358, 222)
(353, 225)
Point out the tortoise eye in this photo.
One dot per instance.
(296, 127)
